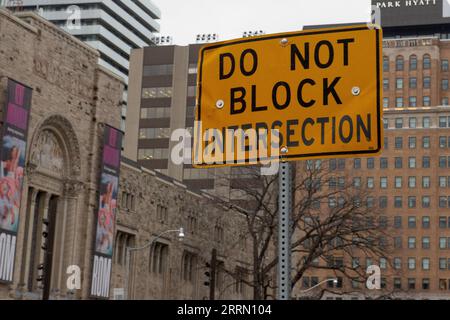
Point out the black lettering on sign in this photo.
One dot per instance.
(276, 125)
(307, 142)
(345, 43)
(290, 132)
(250, 72)
(254, 107)
(301, 100)
(7, 250)
(303, 58)
(222, 74)
(327, 63)
(322, 122)
(366, 128)
(276, 103)
(348, 138)
(330, 89)
(238, 99)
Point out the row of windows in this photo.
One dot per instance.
(192, 174)
(400, 103)
(443, 162)
(426, 83)
(154, 133)
(155, 113)
(151, 154)
(158, 70)
(161, 92)
(339, 202)
(413, 63)
(398, 182)
(412, 122)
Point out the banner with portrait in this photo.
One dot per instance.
(106, 213)
(16, 114)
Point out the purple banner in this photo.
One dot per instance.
(16, 115)
(106, 214)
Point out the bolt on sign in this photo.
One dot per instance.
(310, 94)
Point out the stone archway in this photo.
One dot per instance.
(54, 188)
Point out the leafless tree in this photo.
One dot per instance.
(335, 222)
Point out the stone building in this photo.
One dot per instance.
(73, 97)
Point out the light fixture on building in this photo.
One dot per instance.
(207, 37)
(162, 40)
(248, 34)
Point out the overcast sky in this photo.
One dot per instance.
(184, 19)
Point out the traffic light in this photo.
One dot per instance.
(207, 274)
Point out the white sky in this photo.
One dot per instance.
(184, 19)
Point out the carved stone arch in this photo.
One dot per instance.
(67, 139)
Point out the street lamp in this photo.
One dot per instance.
(335, 281)
(128, 251)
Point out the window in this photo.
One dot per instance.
(397, 263)
(385, 84)
(426, 182)
(158, 70)
(399, 83)
(397, 283)
(426, 101)
(425, 202)
(383, 202)
(425, 283)
(426, 162)
(426, 122)
(398, 182)
(397, 222)
(191, 91)
(442, 142)
(192, 68)
(425, 242)
(444, 101)
(398, 123)
(357, 163)
(411, 283)
(412, 222)
(442, 162)
(411, 263)
(123, 240)
(442, 202)
(398, 142)
(443, 122)
(442, 222)
(411, 202)
(425, 264)
(385, 123)
(413, 62)
(412, 122)
(152, 154)
(426, 142)
(444, 65)
(154, 133)
(443, 263)
(161, 92)
(398, 162)
(357, 182)
(370, 163)
(383, 221)
(444, 84)
(397, 202)
(385, 64)
(189, 267)
(341, 164)
(426, 82)
(383, 182)
(411, 182)
(426, 222)
(442, 182)
(442, 243)
(412, 162)
(399, 102)
(398, 242)
(412, 83)
(383, 263)
(386, 142)
(159, 256)
(399, 63)
(383, 163)
(426, 61)
(385, 102)
(413, 101)
(370, 183)
(411, 242)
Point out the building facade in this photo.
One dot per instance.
(112, 27)
(73, 99)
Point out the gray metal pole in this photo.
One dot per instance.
(127, 271)
(284, 233)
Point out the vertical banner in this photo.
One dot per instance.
(106, 214)
(16, 114)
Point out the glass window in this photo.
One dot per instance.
(398, 182)
(383, 163)
(413, 62)
(411, 202)
(442, 222)
(385, 63)
(442, 202)
(443, 263)
(397, 222)
(444, 65)
(412, 283)
(426, 222)
(426, 142)
(425, 182)
(398, 242)
(398, 123)
(442, 243)
(412, 162)
(426, 122)
(341, 164)
(397, 263)
(411, 182)
(386, 142)
(383, 182)
(385, 84)
(444, 84)
(425, 242)
(426, 162)
(442, 162)
(426, 281)
(357, 182)
(442, 182)
(412, 142)
(154, 133)
(399, 83)
(158, 70)
(161, 92)
(442, 142)
(385, 102)
(443, 122)
(412, 122)
(426, 61)
(412, 223)
(399, 63)
(426, 264)
(398, 142)
(155, 113)
(385, 123)
(192, 68)
(397, 283)
(370, 183)
(426, 101)
(413, 102)
(444, 101)
(398, 162)
(357, 163)
(370, 163)
(426, 202)
(397, 202)
(411, 263)
(426, 82)
(383, 202)
(399, 102)
(413, 83)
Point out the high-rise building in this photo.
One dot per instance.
(113, 27)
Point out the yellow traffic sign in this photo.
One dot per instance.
(298, 95)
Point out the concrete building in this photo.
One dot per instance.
(113, 27)
(73, 98)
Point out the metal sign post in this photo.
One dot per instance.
(284, 232)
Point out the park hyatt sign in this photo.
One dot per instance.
(310, 94)
(405, 3)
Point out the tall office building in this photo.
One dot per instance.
(113, 27)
